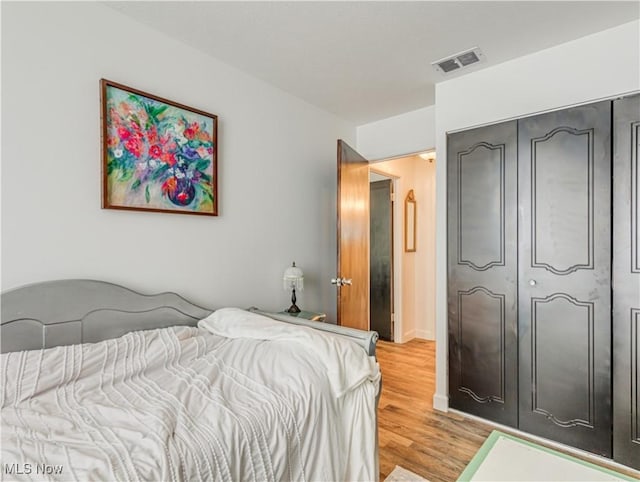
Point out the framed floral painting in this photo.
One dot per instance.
(157, 155)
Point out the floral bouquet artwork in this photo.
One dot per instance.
(157, 155)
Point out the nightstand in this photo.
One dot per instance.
(307, 315)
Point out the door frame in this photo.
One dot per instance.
(397, 254)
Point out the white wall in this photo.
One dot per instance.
(416, 273)
(399, 135)
(426, 250)
(277, 183)
(593, 67)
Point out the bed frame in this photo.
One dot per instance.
(67, 312)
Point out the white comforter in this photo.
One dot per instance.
(242, 397)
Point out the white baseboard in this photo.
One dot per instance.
(425, 335)
(408, 335)
(551, 443)
(441, 402)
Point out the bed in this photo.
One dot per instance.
(100, 382)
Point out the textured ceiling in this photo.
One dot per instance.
(365, 61)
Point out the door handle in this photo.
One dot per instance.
(532, 282)
(341, 281)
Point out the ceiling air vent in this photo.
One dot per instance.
(459, 60)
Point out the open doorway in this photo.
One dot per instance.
(413, 270)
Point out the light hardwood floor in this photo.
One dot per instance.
(432, 444)
(435, 445)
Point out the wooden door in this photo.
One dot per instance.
(381, 266)
(482, 271)
(564, 170)
(352, 278)
(626, 281)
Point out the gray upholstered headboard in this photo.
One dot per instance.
(66, 312)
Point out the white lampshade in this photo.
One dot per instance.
(293, 278)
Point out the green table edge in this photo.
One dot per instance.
(304, 315)
(493, 437)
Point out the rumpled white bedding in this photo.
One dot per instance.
(240, 398)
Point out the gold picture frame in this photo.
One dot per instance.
(410, 209)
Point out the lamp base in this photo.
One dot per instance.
(293, 309)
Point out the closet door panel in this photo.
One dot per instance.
(482, 270)
(561, 209)
(626, 282)
(567, 397)
(564, 162)
(481, 322)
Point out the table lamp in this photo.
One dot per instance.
(293, 280)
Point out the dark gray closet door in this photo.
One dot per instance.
(381, 253)
(564, 162)
(482, 270)
(626, 281)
